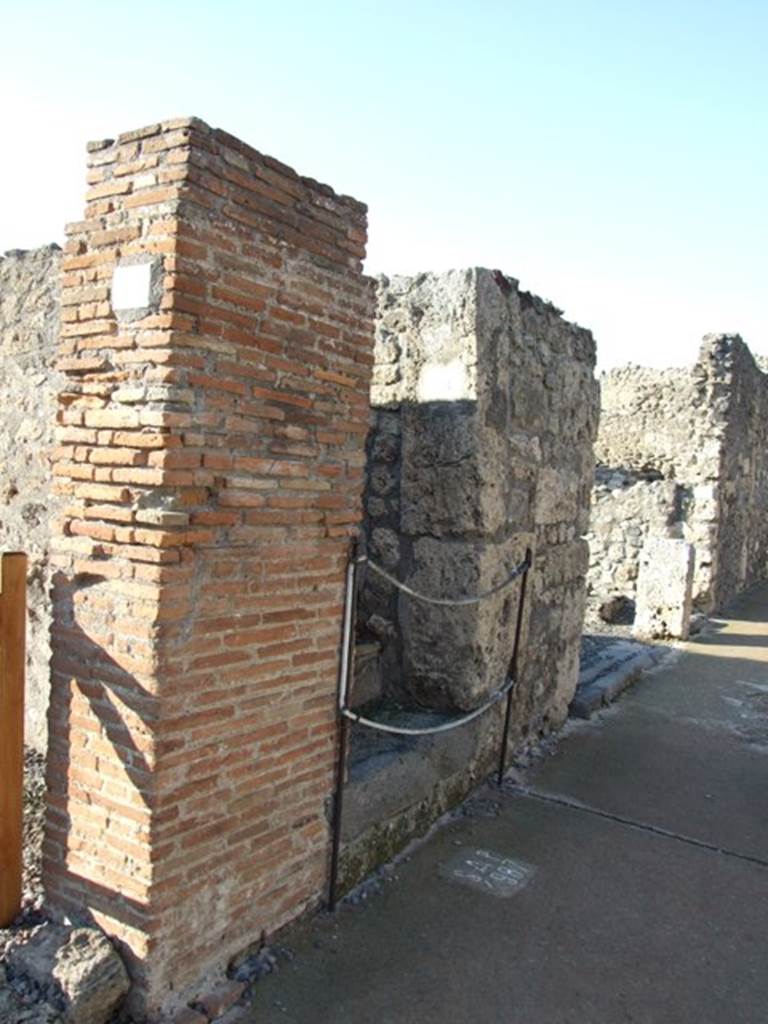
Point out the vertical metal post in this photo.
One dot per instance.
(338, 807)
(13, 619)
(346, 669)
(513, 667)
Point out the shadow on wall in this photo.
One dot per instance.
(446, 517)
(485, 409)
(434, 521)
(98, 860)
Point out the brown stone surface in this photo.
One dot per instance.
(190, 1016)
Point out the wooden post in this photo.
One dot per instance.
(13, 617)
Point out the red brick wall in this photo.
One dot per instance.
(211, 454)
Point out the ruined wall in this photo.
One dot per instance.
(661, 423)
(485, 413)
(740, 390)
(29, 326)
(217, 349)
(664, 590)
(702, 429)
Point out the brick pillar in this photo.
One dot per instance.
(217, 336)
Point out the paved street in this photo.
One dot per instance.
(637, 889)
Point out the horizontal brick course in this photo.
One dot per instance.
(211, 456)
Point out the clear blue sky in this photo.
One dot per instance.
(610, 155)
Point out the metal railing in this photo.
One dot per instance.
(347, 715)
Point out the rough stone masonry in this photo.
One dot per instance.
(29, 383)
(486, 410)
(216, 343)
(684, 453)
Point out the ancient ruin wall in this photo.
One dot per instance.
(485, 414)
(740, 396)
(29, 327)
(660, 423)
(217, 352)
(703, 430)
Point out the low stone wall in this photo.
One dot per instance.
(29, 326)
(702, 432)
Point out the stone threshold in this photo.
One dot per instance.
(398, 787)
(608, 667)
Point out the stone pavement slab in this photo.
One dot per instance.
(688, 748)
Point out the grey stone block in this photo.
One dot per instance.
(664, 589)
(587, 701)
(79, 966)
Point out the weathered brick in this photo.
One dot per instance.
(221, 998)
(200, 561)
(108, 188)
(149, 197)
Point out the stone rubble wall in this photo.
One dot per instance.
(29, 382)
(649, 421)
(485, 411)
(554, 414)
(701, 431)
